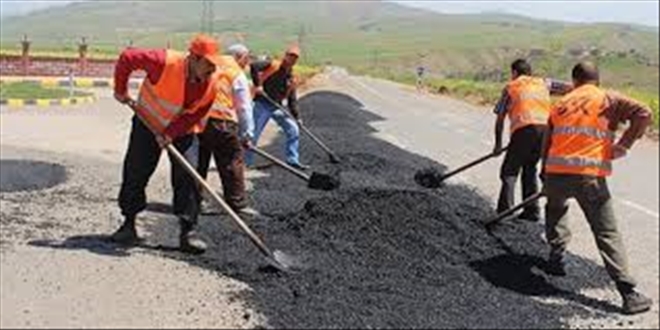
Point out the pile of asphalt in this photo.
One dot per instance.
(382, 251)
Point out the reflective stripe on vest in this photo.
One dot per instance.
(163, 102)
(586, 131)
(604, 165)
(581, 142)
(223, 104)
(160, 103)
(529, 102)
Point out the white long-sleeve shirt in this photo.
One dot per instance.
(243, 105)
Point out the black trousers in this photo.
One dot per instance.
(220, 139)
(140, 163)
(524, 153)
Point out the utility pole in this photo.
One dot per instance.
(301, 38)
(207, 17)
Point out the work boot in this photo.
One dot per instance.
(126, 234)
(633, 301)
(556, 265)
(248, 212)
(207, 208)
(189, 242)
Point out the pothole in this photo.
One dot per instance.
(26, 175)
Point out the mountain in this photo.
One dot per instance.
(362, 35)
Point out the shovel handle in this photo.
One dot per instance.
(193, 172)
(280, 163)
(470, 165)
(304, 129)
(318, 141)
(499, 217)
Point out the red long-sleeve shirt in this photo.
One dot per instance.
(152, 61)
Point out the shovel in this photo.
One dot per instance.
(333, 157)
(494, 220)
(316, 181)
(430, 178)
(277, 259)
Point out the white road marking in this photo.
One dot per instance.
(639, 207)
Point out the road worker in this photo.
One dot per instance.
(229, 128)
(526, 102)
(274, 81)
(177, 92)
(577, 158)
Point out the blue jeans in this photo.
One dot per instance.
(264, 111)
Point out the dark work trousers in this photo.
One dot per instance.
(140, 163)
(220, 139)
(524, 153)
(593, 196)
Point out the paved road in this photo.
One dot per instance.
(91, 144)
(453, 133)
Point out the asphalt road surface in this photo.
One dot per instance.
(379, 252)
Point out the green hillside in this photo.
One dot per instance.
(380, 38)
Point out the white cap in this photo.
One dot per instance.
(238, 50)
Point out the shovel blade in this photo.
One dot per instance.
(429, 178)
(321, 181)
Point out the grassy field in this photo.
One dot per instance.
(487, 93)
(359, 35)
(28, 90)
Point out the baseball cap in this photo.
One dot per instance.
(293, 50)
(205, 46)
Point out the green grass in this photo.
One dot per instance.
(488, 93)
(649, 99)
(28, 90)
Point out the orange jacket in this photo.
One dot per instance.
(581, 141)
(161, 103)
(529, 102)
(223, 105)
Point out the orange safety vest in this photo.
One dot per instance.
(223, 105)
(529, 102)
(581, 139)
(269, 71)
(161, 103)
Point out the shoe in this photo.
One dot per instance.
(248, 212)
(633, 301)
(189, 242)
(555, 266)
(207, 208)
(126, 234)
(299, 166)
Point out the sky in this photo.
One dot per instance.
(643, 12)
(635, 12)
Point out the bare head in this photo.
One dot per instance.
(585, 73)
(520, 67)
(241, 54)
(203, 57)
